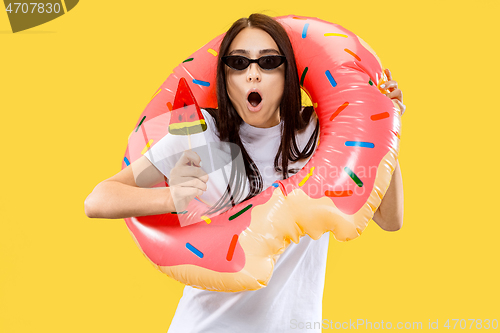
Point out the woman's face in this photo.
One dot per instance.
(255, 92)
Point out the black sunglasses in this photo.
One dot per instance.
(268, 62)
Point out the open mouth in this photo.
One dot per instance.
(254, 99)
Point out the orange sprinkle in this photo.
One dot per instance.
(232, 246)
(299, 18)
(336, 113)
(379, 116)
(347, 193)
(353, 54)
(169, 105)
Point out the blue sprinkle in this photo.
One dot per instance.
(331, 79)
(201, 83)
(304, 31)
(194, 250)
(126, 161)
(359, 144)
(275, 184)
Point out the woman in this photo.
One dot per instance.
(261, 116)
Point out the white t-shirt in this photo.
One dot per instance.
(294, 295)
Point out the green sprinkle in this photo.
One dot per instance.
(371, 83)
(187, 60)
(232, 217)
(140, 123)
(353, 177)
(303, 76)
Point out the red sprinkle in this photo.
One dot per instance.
(232, 246)
(379, 116)
(336, 113)
(346, 193)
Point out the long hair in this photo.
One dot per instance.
(228, 121)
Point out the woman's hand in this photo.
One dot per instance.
(395, 94)
(187, 180)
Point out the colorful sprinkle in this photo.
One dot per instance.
(336, 113)
(315, 105)
(169, 106)
(303, 181)
(330, 78)
(353, 177)
(275, 185)
(188, 60)
(194, 250)
(232, 217)
(353, 54)
(283, 189)
(299, 18)
(379, 116)
(206, 219)
(125, 159)
(156, 93)
(397, 134)
(232, 246)
(359, 144)
(370, 82)
(303, 76)
(147, 146)
(346, 193)
(304, 31)
(140, 124)
(212, 52)
(328, 34)
(201, 83)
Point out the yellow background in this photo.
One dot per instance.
(72, 89)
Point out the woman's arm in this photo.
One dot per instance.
(128, 193)
(389, 215)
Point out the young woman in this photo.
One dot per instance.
(259, 110)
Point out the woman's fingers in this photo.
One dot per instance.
(192, 171)
(191, 182)
(402, 107)
(189, 157)
(396, 94)
(388, 73)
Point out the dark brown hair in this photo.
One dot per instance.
(228, 121)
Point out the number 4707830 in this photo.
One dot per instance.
(24, 7)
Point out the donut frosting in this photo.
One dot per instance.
(338, 190)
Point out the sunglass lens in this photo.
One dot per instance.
(270, 62)
(238, 63)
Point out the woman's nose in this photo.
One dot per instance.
(253, 74)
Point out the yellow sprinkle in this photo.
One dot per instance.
(315, 105)
(156, 93)
(147, 147)
(213, 52)
(334, 34)
(206, 219)
(303, 181)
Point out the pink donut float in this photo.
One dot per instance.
(352, 166)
